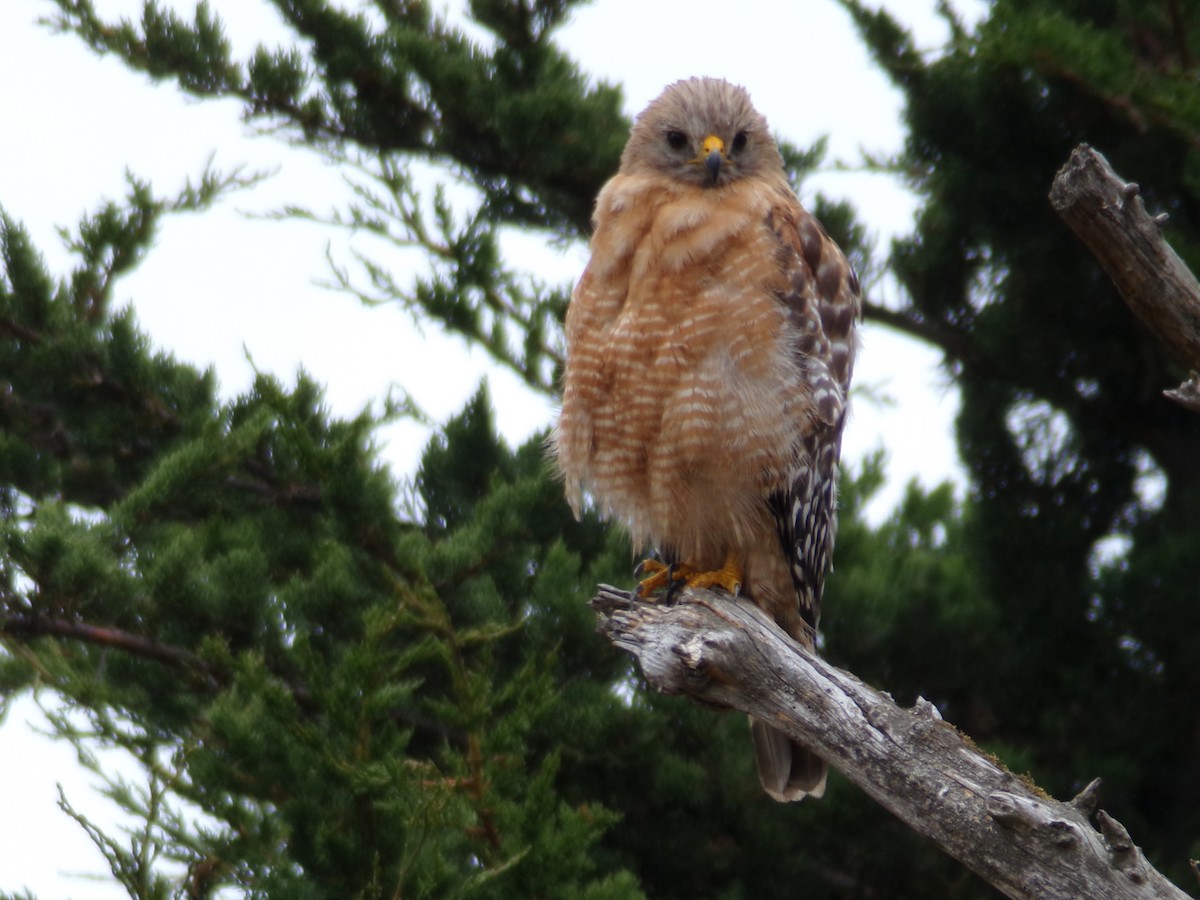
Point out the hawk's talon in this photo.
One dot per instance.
(676, 577)
(659, 575)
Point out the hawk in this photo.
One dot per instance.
(710, 343)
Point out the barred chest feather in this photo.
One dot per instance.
(685, 405)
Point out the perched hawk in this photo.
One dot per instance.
(710, 343)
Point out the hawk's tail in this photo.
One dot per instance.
(787, 770)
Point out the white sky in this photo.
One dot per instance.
(220, 285)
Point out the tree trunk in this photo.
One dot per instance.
(719, 650)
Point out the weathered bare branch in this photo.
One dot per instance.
(726, 652)
(1188, 393)
(1108, 215)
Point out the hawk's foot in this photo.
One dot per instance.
(660, 575)
(729, 577)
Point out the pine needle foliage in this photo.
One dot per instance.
(349, 702)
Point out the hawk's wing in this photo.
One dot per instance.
(822, 296)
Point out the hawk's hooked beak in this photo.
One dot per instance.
(713, 153)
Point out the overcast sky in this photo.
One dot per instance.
(223, 288)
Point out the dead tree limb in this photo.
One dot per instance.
(1109, 217)
(722, 651)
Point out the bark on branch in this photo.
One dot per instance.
(1106, 213)
(719, 650)
(28, 626)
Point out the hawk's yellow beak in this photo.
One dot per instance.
(712, 151)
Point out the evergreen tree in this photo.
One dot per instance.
(228, 592)
(371, 691)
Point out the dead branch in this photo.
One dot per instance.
(1108, 215)
(722, 651)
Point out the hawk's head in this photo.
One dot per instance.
(704, 131)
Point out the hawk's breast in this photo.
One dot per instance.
(683, 406)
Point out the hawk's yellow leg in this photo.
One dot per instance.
(660, 575)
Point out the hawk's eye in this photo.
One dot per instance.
(677, 140)
(739, 142)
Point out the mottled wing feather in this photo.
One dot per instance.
(822, 296)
